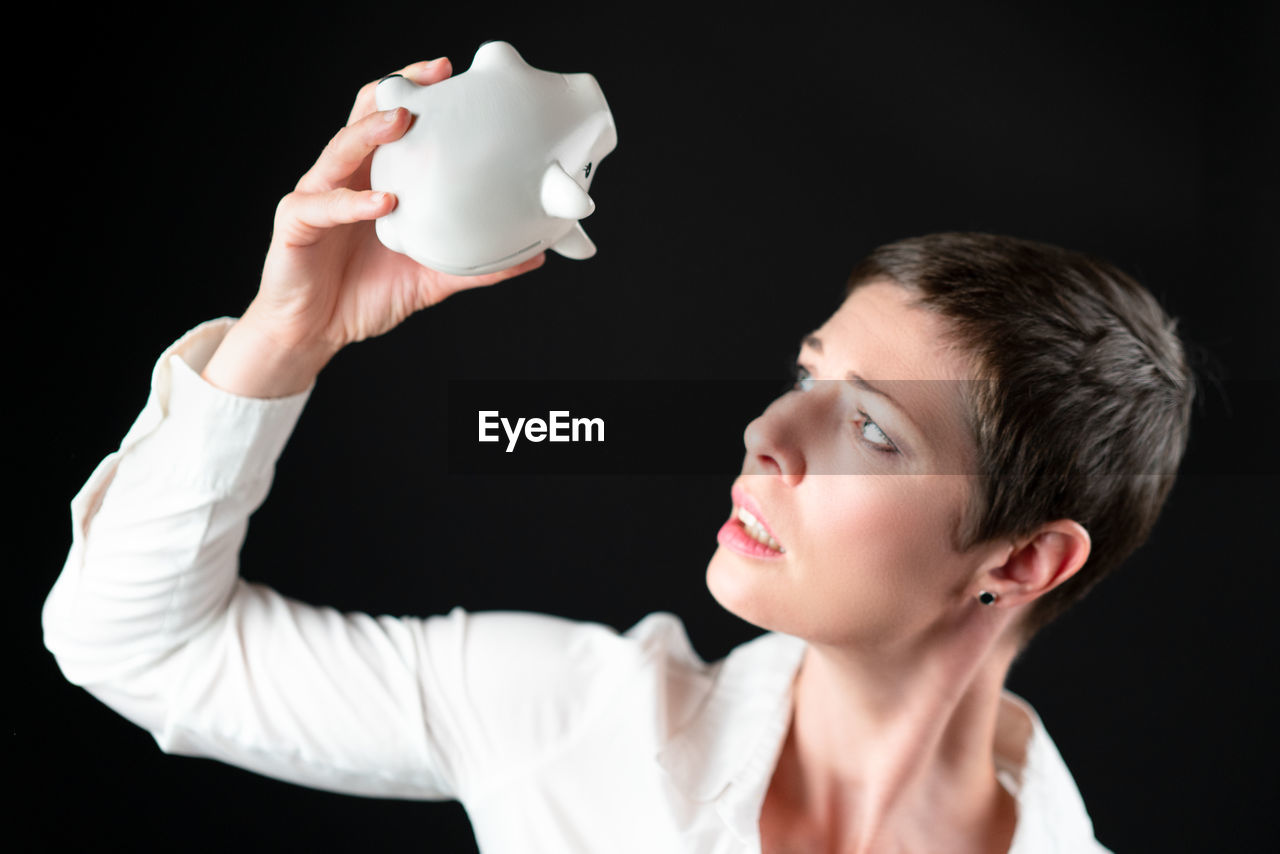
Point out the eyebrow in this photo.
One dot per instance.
(814, 343)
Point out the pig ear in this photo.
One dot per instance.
(575, 244)
(496, 54)
(561, 195)
(394, 90)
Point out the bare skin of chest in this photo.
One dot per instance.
(785, 831)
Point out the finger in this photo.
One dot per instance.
(464, 282)
(303, 218)
(350, 146)
(423, 73)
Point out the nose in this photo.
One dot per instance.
(773, 442)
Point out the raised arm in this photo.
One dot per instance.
(150, 614)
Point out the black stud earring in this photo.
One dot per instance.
(986, 597)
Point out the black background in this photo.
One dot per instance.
(760, 155)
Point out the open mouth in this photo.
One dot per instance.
(746, 533)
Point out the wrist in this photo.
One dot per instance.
(252, 362)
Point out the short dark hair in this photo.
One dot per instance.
(1083, 406)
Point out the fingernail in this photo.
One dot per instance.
(377, 199)
(391, 115)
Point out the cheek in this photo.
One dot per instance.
(866, 520)
(880, 551)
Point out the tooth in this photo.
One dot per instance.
(756, 530)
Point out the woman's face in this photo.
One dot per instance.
(860, 491)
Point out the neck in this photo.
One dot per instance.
(898, 746)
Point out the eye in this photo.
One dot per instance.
(874, 436)
(802, 381)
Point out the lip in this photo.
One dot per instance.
(734, 537)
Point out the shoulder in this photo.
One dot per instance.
(507, 691)
(525, 689)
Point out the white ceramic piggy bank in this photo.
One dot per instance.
(496, 165)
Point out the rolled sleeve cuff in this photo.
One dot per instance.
(201, 435)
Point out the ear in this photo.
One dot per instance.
(1039, 563)
(394, 90)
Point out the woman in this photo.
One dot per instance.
(871, 716)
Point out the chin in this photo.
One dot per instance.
(742, 587)
(769, 595)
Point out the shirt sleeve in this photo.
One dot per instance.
(150, 616)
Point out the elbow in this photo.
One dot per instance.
(58, 625)
(101, 640)
(124, 669)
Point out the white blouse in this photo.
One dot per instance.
(556, 736)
